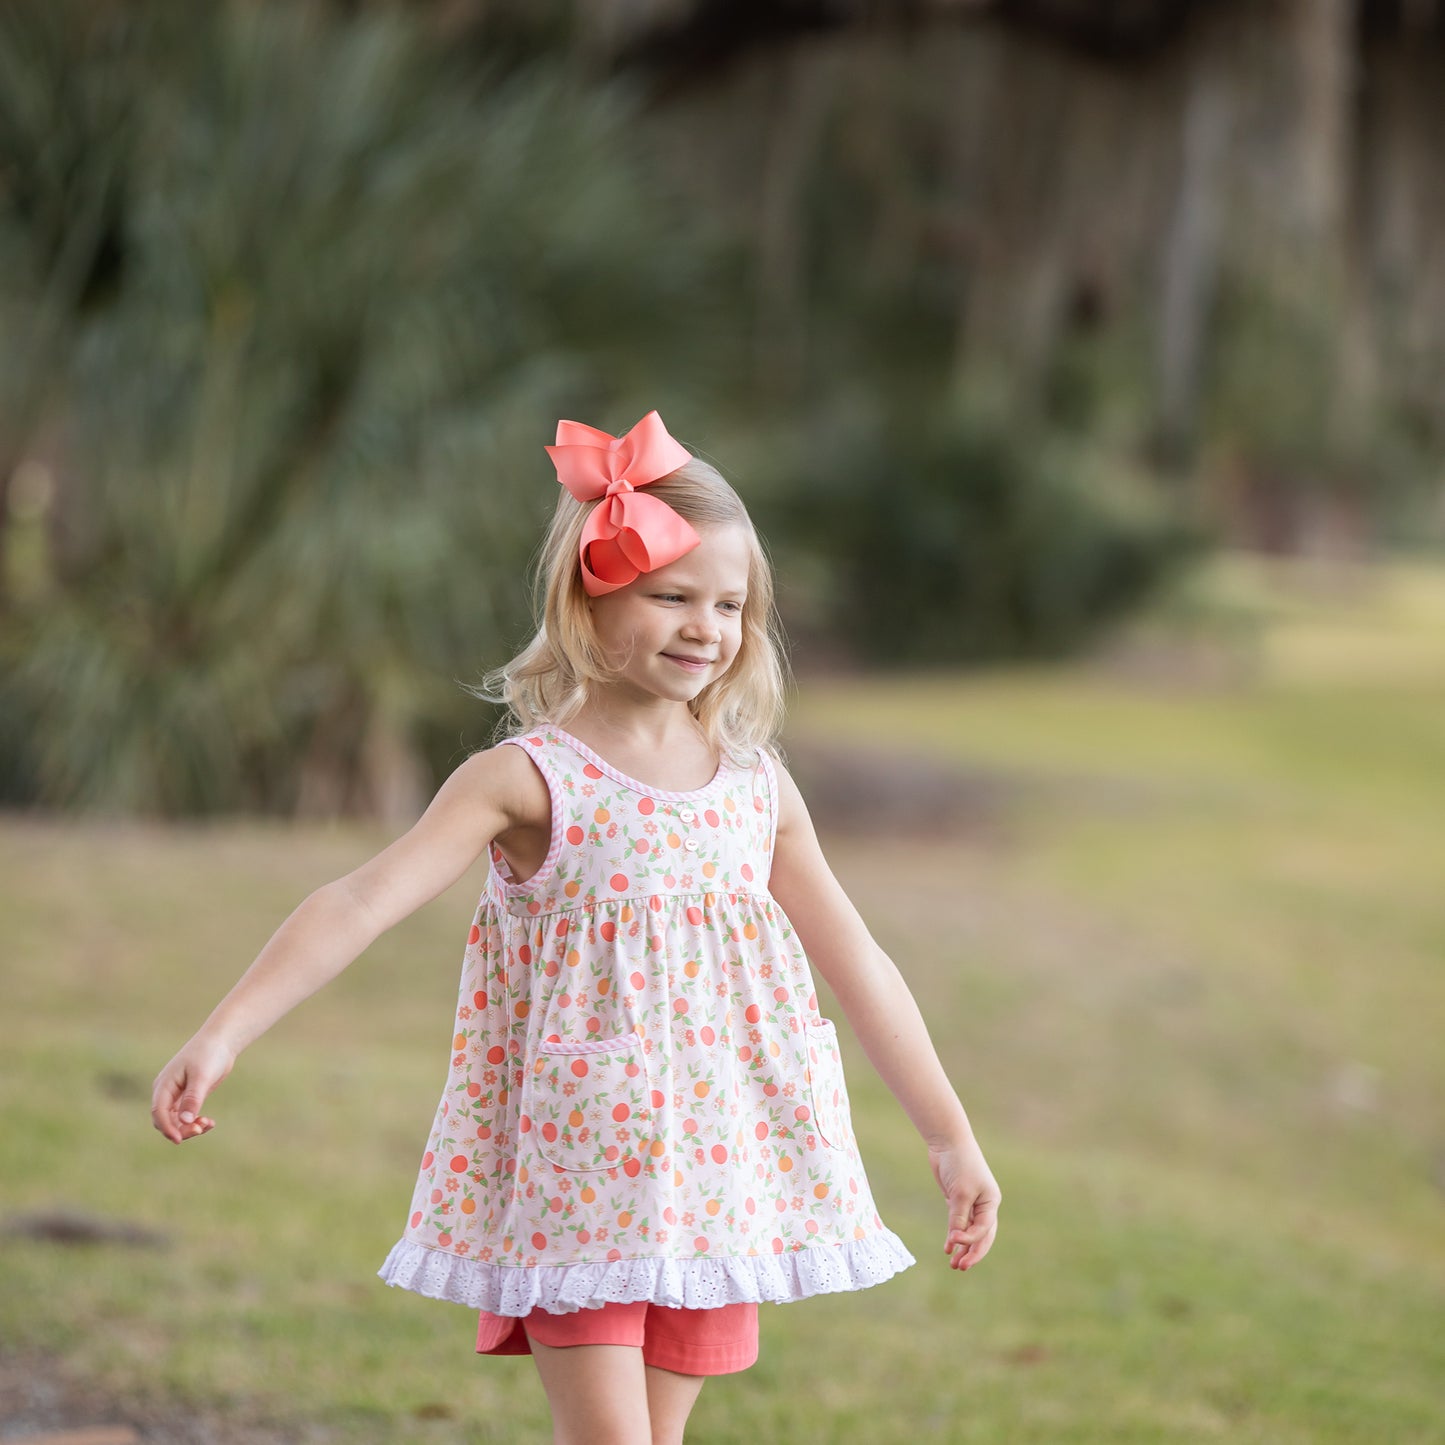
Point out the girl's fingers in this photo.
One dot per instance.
(163, 1101)
(969, 1238)
(194, 1095)
(965, 1256)
(176, 1108)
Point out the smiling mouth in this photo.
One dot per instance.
(688, 661)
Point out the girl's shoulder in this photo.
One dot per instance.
(507, 776)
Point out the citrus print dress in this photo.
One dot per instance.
(643, 1101)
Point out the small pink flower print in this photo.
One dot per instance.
(588, 789)
(691, 1038)
(489, 1076)
(531, 1261)
(722, 988)
(465, 1012)
(755, 1036)
(600, 1234)
(766, 971)
(629, 1001)
(459, 1061)
(484, 1253)
(688, 1220)
(677, 1101)
(461, 1248)
(453, 1184)
(564, 1186)
(685, 881)
(811, 1141)
(661, 1236)
(699, 1156)
(789, 1089)
(593, 836)
(796, 1202)
(612, 830)
(649, 826)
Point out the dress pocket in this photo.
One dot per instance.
(825, 1083)
(588, 1104)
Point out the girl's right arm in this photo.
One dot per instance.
(491, 794)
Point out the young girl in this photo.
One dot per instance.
(644, 1130)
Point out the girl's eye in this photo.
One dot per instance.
(678, 597)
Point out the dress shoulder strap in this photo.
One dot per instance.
(535, 745)
(769, 775)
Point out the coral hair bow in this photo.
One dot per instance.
(628, 532)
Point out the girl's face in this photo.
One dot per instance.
(678, 628)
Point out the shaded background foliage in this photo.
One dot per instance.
(1033, 556)
(291, 499)
(998, 313)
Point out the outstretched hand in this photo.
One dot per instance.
(973, 1200)
(182, 1086)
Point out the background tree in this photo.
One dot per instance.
(287, 415)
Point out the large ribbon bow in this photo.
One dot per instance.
(628, 533)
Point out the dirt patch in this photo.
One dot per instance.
(907, 796)
(70, 1227)
(42, 1402)
(895, 793)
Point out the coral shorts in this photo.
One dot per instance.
(718, 1341)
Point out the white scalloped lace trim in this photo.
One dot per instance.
(686, 1283)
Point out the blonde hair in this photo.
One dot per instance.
(548, 681)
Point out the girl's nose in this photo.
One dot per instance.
(701, 624)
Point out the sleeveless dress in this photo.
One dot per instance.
(643, 1101)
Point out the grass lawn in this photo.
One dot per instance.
(1190, 994)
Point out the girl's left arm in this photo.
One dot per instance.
(883, 1014)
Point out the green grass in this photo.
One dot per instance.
(1190, 997)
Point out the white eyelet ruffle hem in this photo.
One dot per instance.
(678, 1283)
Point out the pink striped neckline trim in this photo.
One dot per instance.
(618, 776)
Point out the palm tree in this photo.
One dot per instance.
(293, 409)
